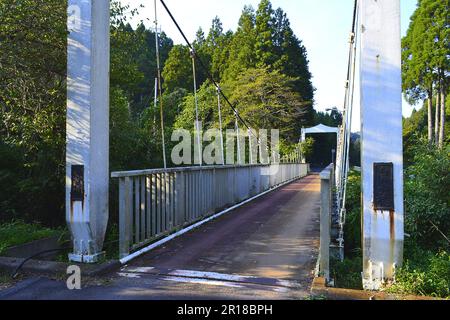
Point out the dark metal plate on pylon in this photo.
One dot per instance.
(383, 186)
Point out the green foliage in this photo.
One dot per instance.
(331, 119)
(426, 49)
(32, 108)
(178, 69)
(414, 131)
(347, 274)
(307, 147)
(111, 246)
(424, 273)
(133, 62)
(265, 30)
(352, 231)
(242, 47)
(19, 232)
(269, 100)
(266, 99)
(207, 107)
(427, 200)
(127, 141)
(426, 63)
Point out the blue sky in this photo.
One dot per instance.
(322, 25)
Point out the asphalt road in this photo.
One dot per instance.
(266, 249)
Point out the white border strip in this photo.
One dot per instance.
(198, 224)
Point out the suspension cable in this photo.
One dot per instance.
(345, 138)
(236, 125)
(351, 104)
(155, 104)
(160, 88)
(197, 123)
(250, 145)
(219, 107)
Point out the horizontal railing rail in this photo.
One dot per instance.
(156, 203)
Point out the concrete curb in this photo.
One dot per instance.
(319, 289)
(51, 268)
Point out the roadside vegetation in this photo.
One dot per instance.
(18, 232)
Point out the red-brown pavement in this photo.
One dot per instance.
(273, 238)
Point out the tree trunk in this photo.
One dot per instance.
(437, 116)
(430, 116)
(443, 114)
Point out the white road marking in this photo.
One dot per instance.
(203, 281)
(188, 275)
(129, 275)
(138, 270)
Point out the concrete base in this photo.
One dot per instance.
(86, 259)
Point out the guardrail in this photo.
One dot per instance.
(155, 203)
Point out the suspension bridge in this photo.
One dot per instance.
(263, 227)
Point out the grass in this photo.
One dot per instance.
(5, 281)
(316, 298)
(424, 273)
(347, 274)
(111, 246)
(18, 232)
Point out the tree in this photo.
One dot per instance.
(426, 55)
(32, 106)
(331, 119)
(266, 99)
(265, 31)
(177, 72)
(417, 83)
(427, 199)
(270, 100)
(217, 48)
(292, 56)
(242, 47)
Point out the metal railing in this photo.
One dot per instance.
(155, 203)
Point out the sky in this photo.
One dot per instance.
(322, 25)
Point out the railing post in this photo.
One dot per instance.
(125, 214)
(179, 195)
(325, 221)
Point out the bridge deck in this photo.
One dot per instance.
(266, 249)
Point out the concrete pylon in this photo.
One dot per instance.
(382, 148)
(87, 153)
